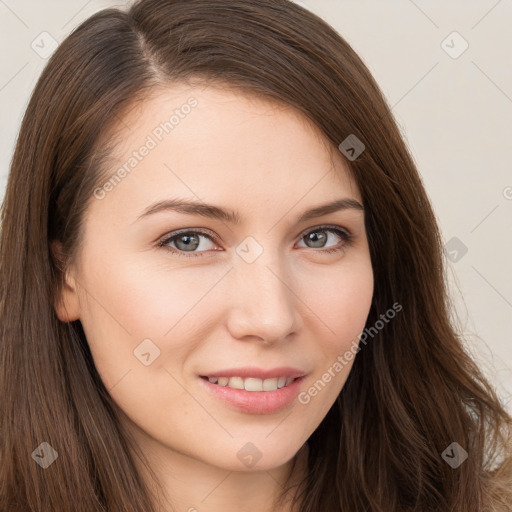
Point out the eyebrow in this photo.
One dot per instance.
(191, 207)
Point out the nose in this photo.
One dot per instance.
(263, 304)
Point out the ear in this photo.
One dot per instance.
(66, 305)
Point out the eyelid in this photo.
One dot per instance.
(326, 226)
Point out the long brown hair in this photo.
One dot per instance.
(412, 391)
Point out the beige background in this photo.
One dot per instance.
(454, 108)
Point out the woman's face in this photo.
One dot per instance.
(264, 294)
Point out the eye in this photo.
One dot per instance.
(311, 236)
(185, 242)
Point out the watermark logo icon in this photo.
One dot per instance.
(351, 147)
(44, 455)
(455, 249)
(44, 45)
(454, 455)
(249, 455)
(454, 45)
(249, 249)
(146, 352)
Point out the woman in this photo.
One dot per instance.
(222, 282)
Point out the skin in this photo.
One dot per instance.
(295, 305)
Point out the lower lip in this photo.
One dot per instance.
(255, 402)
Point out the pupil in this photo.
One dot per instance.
(313, 237)
(187, 241)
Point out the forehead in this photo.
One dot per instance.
(222, 145)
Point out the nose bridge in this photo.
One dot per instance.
(263, 301)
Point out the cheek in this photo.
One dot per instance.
(341, 299)
(142, 300)
(128, 318)
(341, 310)
(125, 303)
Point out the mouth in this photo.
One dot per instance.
(251, 383)
(252, 395)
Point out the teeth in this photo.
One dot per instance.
(267, 384)
(236, 382)
(223, 381)
(251, 383)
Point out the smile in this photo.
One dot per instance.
(252, 395)
(251, 383)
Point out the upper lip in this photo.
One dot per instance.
(258, 373)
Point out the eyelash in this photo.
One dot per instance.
(345, 235)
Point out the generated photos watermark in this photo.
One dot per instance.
(152, 140)
(343, 360)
